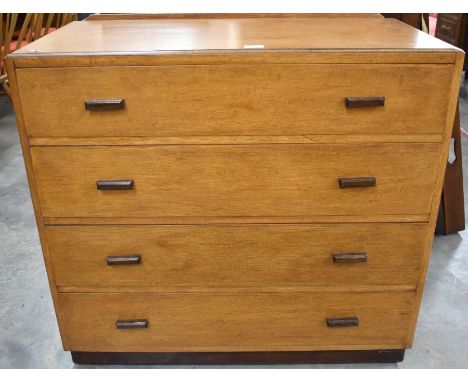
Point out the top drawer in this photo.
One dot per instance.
(214, 100)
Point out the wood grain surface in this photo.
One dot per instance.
(235, 322)
(238, 180)
(233, 35)
(236, 122)
(233, 139)
(18, 108)
(441, 168)
(225, 100)
(236, 255)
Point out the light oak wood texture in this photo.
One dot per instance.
(241, 57)
(236, 255)
(123, 36)
(242, 140)
(237, 219)
(239, 289)
(236, 322)
(369, 43)
(225, 100)
(442, 165)
(115, 42)
(14, 94)
(238, 180)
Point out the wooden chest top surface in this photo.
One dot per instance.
(151, 36)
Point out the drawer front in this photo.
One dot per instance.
(218, 100)
(235, 322)
(448, 29)
(236, 180)
(236, 255)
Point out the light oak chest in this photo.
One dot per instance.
(245, 190)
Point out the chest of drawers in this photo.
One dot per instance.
(236, 190)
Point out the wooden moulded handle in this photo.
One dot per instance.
(369, 181)
(114, 185)
(364, 101)
(140, 323)
(104, 104)
(123, 259)
(342, 321)
(357, 257)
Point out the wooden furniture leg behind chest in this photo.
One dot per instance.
(453, 29)
(237, 190)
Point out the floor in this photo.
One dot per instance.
(28, 331)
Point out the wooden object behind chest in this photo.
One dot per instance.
(257, 186)
(453, 28)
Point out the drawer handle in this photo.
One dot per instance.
(123, 260)
(357, 257)
(342, 321)
(369, 181)
(114, 184)
(132, 324)
(364, 101)
(104, 104)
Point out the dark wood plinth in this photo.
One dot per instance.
(239, 358)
